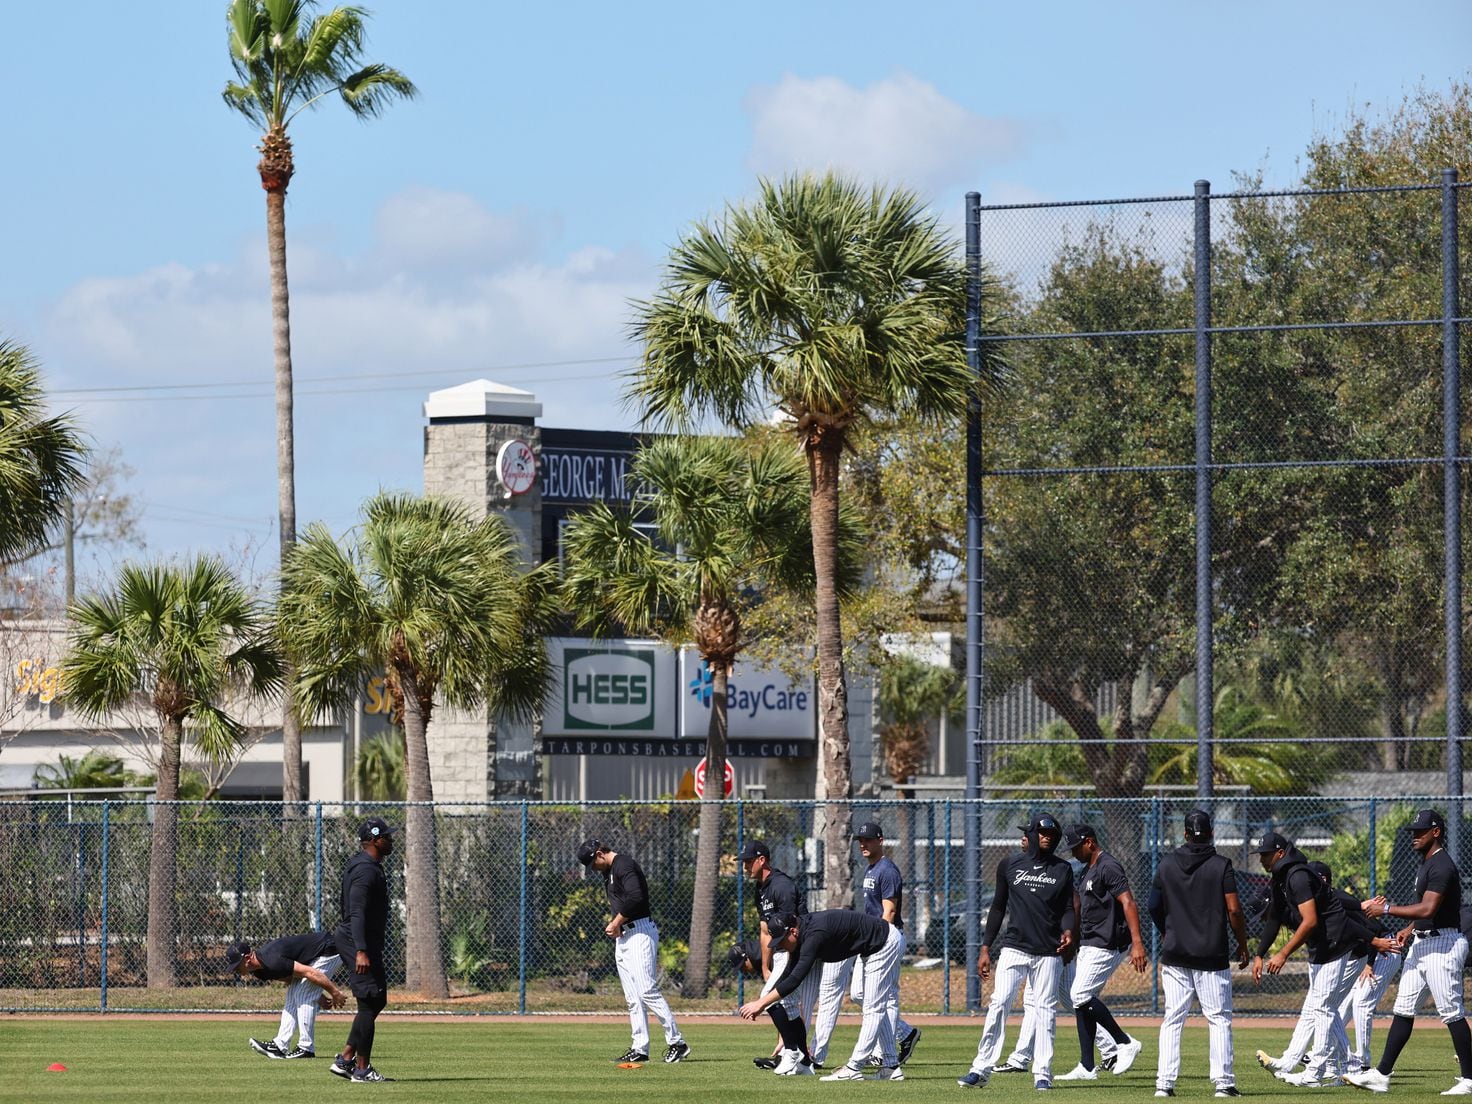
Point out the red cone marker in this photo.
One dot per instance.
(55, 1067)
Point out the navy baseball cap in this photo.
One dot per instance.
(1198, 824)
(1075, 834)
(587, 849)
(1425, 820)
(746, 951)
(374, 828)
(1040, 822)
(1269, 842)
(755, 849)
(779, 924)
(869, 830)
(1323, 871)
(236, 952)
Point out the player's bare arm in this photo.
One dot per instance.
(1423, 909)
(1138, 958)
(335, 997)
(891, 909)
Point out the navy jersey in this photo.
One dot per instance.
(1035, 895)
(364, 908)
(779, 893)
(883, 882)
(1439, 875)
(280, 956)
(1188, 904)
(1101, 916)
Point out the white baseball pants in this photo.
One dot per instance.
(1213, 990)
(881, 1001)
(1329, 985)
(1434, 962)
(636, 955)
(1067, 978)
(1360, 1005)
(303, 998)
(853, 978)
(1042, 974)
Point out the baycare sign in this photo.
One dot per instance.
(614, 686)
(761, 702)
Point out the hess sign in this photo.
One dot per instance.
(700, 778)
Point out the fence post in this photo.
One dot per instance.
(317, 875)
(1157, 832)
(1374, 847)
(946, 918)
(521, 925)
(106, 844)
(1205, 692)
(740, 896)
(1451, 424)
(975, 592)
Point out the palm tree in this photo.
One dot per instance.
(182, 639)
(41, 458)
(836, 304)
(286, 60)
(911, 695)
(732, 521)
(438, 600)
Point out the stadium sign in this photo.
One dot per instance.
(616, 687)
(762, 703)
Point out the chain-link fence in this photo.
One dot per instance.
(521, 922)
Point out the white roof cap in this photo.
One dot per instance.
(481, 399)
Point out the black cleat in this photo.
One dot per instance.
(341, 1067)
(768, 1063)
(632, 1055)
(907, 1045)
(368, 1076)
(1010, 1068)
(1108, 1063)
(677, 1052)
(270, 1050)
(298, 1052)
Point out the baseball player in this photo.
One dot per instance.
(884, 895)
(1035, 895)
(635, 950)
(1109, 923)
(1382, 960)
(778, 895)
(832, 936)
(307, 962)
(1335, 943)
(361, 933)
(1435, 960)
(1193, 901)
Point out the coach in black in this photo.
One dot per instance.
(1435, 960)
(360, 938)
(778, 895)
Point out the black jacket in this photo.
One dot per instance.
(1188, 905)
(1294, 883)
(1035, 894)
(364, 905)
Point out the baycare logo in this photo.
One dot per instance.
(769, 697)
(608, 690)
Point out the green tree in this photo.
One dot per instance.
(187, 640)
(287, 59)
(380, 768)
(731, 521)
(41, 458)
(437, 600)
(912, 693)
(835, 304)
(96, 770)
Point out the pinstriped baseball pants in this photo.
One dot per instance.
(1213, 989)
(300, 1009)
(636, 954)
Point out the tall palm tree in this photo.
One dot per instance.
(41, 457)
(836, 304)
(731, 521)
(286, 60)
(184, 640)
(437, 600)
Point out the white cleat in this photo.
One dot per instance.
(888, 1073)
(845, 1072)
(1271, 1064)
(787, 1062)
(802, 1069)
(1306, 1080)
(1126, 1054)
(1462, 1087)
(1371, 1080)
(1078, 1073)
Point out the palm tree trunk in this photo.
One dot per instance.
(708, 850)
(425, 960)
(162, 863)
(833, 743)
(291, 729)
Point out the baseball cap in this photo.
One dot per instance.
(869, 830)
(742, 953)
(1269, 842)
(374, 828)
(1323, 871)
(1426, 818)
(1039, 822)
(755, 849)
(1198, 823)
(1075, 834)
(779, 924)
(587, 849)
(236, 952)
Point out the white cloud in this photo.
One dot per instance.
(900, 130)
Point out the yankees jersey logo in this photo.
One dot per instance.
(1034, 878)
(870, 881)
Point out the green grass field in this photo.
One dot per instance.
(543, 1063)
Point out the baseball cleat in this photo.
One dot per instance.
(1306, 1080)
(1271, 1064)
(1043, 1086)
(1124, 1058)
(368, 1076)
(788, 1060)
(845, 1072)
(889, 1073)
(1078, 1073)
(874, 1061)
(804, 1068)
(1108, 1063)
(971, 1081)
(767, 1063)
(1165, 1092)
(1371, 1080)
(632, 1055)
(907, 1045)
(298, 1052)
(1462, 1087)
(1011, 1067)
(1226, 1090)
(677, 1052)
(341, 1067)
(270, 1050)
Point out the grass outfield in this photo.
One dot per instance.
(544, 1063)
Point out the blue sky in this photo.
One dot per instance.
(506, 217)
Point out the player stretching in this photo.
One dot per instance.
(635, 950)
(1109, 922)
(307, 962)
(364, 904)
(1035, 893)
(778, 895)
(1435, 958)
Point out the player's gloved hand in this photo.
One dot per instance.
(364, 964)
(1138, 959)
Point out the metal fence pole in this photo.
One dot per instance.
(1374, 847)
(974, 598)
(1157, 832)
(1205, 692)
(740, 896)
(946, 931)
(1451, 424)
(521, 920)
(106, 845)
(317, 875)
